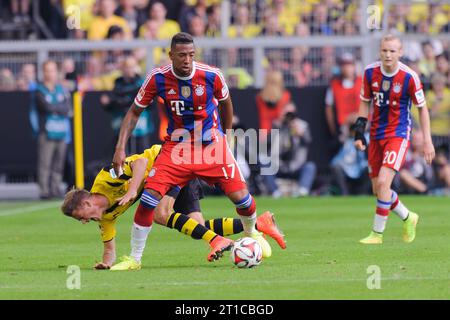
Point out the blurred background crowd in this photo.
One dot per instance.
(120, 72)
(160, 20)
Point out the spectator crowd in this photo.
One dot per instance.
(121, 72)
(347, 172)
(160, 19)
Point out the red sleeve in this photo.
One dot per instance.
(220, 87)
(147, 91)
(415, 90)
(366, 91)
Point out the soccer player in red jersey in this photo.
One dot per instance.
(196, 145)
(392, 87)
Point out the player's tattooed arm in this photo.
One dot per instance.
(127, 127)
(226, 113)
(138, 166)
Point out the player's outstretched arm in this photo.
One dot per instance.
(109, 255)
(138, 166)
(127, 127)
(428, 148)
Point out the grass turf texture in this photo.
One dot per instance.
(323, 260)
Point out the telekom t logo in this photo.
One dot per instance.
(378, 96)
(177, 106)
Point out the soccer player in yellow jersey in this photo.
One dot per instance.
(111, 196)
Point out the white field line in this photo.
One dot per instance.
(234, 283)
(28, 209)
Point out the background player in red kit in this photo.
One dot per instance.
(392, 86)
(191, 93)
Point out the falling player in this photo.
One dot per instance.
(392, 86)
(195, 146)
(112, 196)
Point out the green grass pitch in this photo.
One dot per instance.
(323, 260)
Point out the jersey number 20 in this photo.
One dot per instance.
(390, 157)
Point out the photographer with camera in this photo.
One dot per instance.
(295, 139)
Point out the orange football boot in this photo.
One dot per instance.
(266, 224)
(219, 245)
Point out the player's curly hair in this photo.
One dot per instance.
(72, 200)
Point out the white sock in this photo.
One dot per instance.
(249, 223)
(400, 210)
(379, 223)
(138, 239)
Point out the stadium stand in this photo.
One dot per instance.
(247, 39)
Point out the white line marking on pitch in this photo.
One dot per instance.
(208, 283)
(30, 209)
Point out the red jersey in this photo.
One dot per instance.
(346, 100)
(187, 100)
(392, 96)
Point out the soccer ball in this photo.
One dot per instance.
(246, 253)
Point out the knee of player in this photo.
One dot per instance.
(162, 214)
(197, 216)
(382, 185)
(160, 219)
(154, 193)
(238, 195)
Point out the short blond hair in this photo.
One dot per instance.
(72, 200)
(391, 37)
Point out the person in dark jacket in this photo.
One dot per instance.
(119, 100)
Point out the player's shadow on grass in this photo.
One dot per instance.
(147, 267)
(187, 266)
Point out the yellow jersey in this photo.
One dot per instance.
(80, 9)
(440, 118)
(98, 29)
(112, 187)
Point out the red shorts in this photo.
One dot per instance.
(390, 152)
(178, 163)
